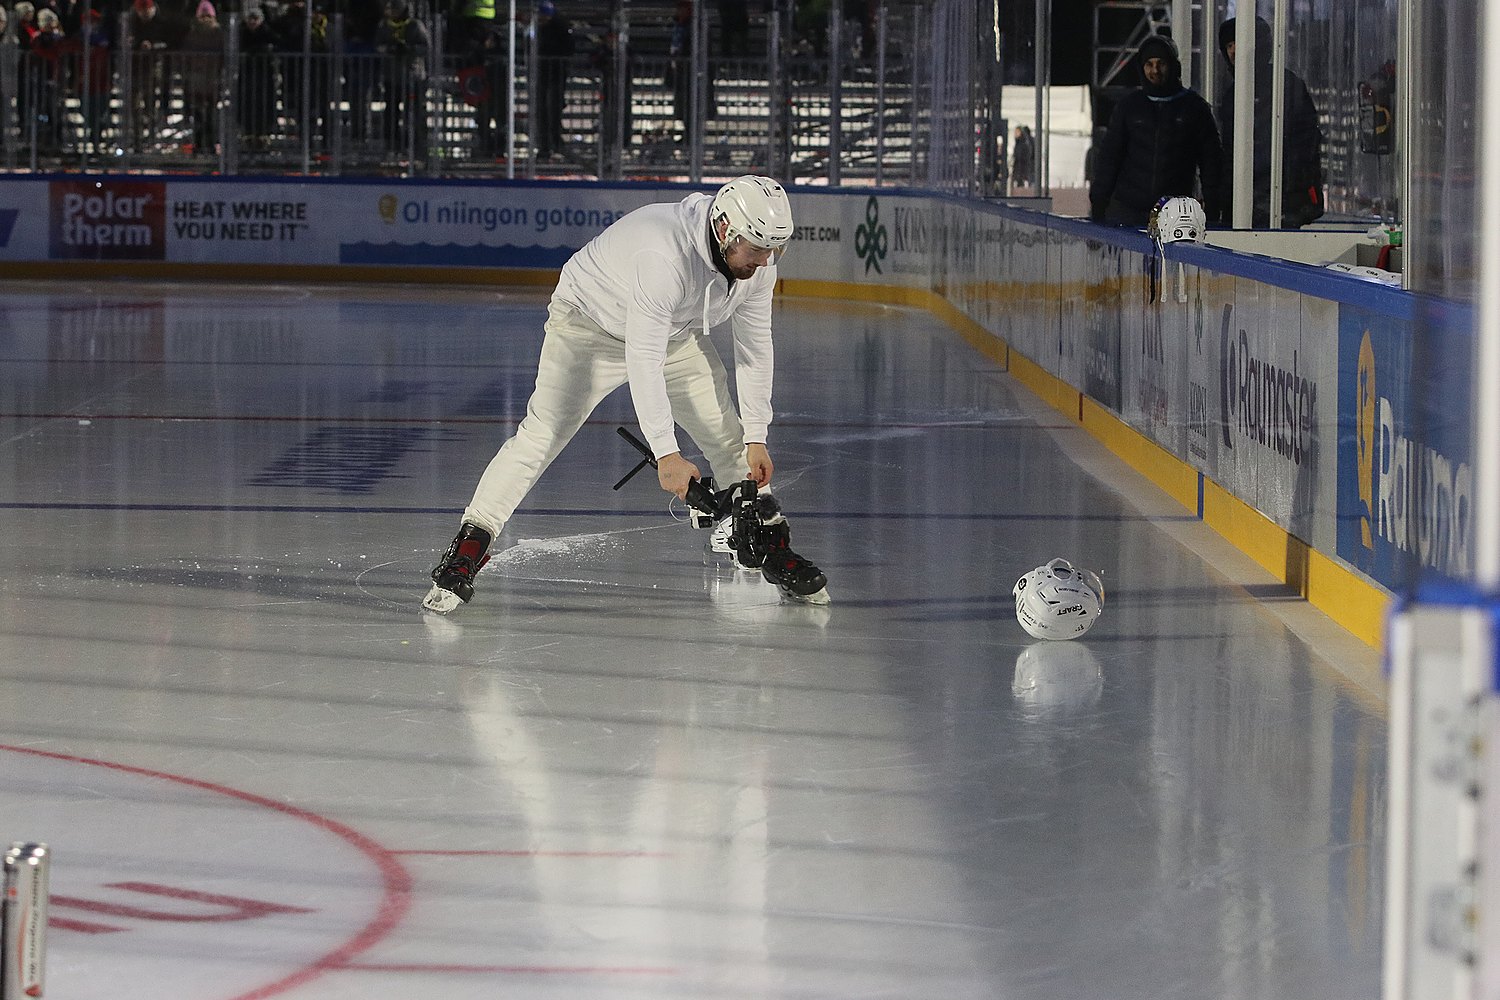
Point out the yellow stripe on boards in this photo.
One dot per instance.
(1170, 474)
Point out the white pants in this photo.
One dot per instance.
(581, 364)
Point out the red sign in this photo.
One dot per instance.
(108, 220)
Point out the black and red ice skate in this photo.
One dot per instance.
(761, 540)
(748, 522)
(453, 576)
(797, 578)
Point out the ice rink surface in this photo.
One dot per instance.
(621, 773)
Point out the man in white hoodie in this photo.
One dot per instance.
(635, 305)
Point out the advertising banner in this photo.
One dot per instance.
(850, 237)
(480, 226)
(1154, 357)
(1104, 306)
(860, 238)
(1232, 375)
(1002, 284)
(1275, 402)
(1405, 462)
(314, 223)
(1207, 313)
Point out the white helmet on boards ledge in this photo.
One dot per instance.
(1056, 601)
(1367, 273)
(756, 209)
(1178, 219)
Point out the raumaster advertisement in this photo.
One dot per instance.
(1405, 477)
(1273, 411)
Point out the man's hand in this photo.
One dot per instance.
(760, 464)
(674, 473)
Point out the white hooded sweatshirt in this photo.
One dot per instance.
(650, 279)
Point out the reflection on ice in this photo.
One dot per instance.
(1057, 677)
(744, 597)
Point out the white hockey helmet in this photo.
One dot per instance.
(756, 209)
(1178, 220)
(1056, 601)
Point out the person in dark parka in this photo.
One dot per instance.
(1302, 143)
(1159, 139)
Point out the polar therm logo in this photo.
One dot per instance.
(108, 220)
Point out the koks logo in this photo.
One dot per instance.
(870, 239)
(914, 230)
(108, 220)
(1271, 405)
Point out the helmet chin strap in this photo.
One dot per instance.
(724, 241)
(720, 249)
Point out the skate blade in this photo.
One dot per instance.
(726, 561)
(440, 601)
(820, 598)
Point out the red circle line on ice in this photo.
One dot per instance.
(397, 892)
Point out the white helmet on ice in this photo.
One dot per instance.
(1178, 220)
(757, 211)
(1056, 601)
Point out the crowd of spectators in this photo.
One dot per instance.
(148, 77)
(151, 60)
(154, 61)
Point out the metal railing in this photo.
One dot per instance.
(847, 116)
(912, 97)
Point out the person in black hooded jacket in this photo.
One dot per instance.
(1159, 139)
(1302, 144)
